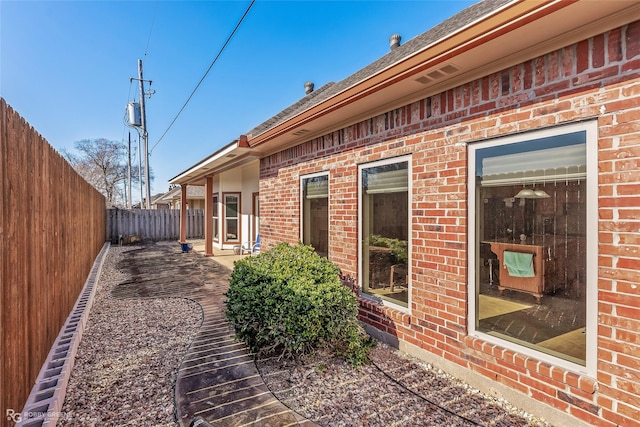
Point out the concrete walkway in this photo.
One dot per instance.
(218, 380)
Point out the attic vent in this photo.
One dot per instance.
(449, 69)
(231, 155)
(301, 132)
(437, 74)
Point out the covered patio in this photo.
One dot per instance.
(230, 177)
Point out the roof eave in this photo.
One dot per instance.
(232, 154)
(461, 52)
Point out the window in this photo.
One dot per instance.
(256, 216)
(384, 230)
(533, 277)
(216, 223)
(232, 217)
(315, 213)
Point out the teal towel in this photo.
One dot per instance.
(519, 264)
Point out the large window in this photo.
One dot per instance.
(232, 217)
(315, 213)
(530, 253)
(384, 210)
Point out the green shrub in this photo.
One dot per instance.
(399, 248)
(290, 300)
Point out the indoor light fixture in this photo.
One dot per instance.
(541, 194)
(529, 193)
(525, 193)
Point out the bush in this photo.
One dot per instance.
(290, 300)
(399, 248)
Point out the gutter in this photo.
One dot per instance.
(477, 44)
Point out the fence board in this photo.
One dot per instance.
(52, 227)
(153, 224)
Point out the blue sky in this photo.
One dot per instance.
(65, 66)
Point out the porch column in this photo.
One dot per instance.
(183, 213)
(208, 216)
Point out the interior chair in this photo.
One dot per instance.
(490, 260)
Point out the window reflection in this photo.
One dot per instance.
(385, 231)
(531, 215)
(315, 213)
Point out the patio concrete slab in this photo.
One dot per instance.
(218, 380)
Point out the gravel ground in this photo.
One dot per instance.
(125, 372)
(125, 368)
(395, 390)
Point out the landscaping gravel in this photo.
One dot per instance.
(125, 372)
(395, 390)
(125, 368)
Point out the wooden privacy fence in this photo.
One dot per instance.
(154, 224)
(52, 226)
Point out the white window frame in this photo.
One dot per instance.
(302, 178)
(591, 129)
(216, 217)
(238, 218)
(387, 161)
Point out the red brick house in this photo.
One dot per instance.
(481, 183)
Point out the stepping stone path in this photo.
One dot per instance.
(218, 381)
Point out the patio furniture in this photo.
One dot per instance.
(251, 247)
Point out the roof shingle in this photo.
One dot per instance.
(418, 43)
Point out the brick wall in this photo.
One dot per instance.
(598, 78)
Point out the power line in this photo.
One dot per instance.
(153, 21)
(125, 123)
(205, 74)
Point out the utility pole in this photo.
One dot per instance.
(128, 189)
(140, 172)
(145, 137)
